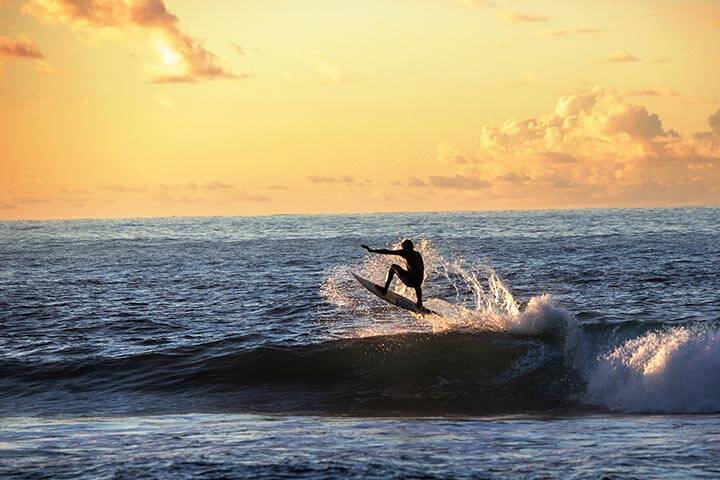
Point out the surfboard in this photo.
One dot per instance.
(391, 297)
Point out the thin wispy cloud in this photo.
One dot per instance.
(476, 3)
(346, 179)
(617, 57)
(571, 31)
(34, 103)
(668, 92)
(216, 185)
(463, 182)
(653, 91)
(122, 189)
(524, 80)
(510, 15)
(327, 72)
(22, 47)
(513, 177)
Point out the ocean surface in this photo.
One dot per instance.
(571, 344)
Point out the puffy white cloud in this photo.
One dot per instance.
(598, 146)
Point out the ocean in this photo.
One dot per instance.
(570, 344)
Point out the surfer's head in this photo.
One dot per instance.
(407, 244)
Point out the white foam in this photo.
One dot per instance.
(677, 370)
(482, 301)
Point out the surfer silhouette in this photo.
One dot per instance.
(412, 277)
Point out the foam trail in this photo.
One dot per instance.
(676, 370)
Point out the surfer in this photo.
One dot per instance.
(413, 276)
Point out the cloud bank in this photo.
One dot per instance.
(595, 145)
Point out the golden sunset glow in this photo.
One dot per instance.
(178, 107)
(169, 56)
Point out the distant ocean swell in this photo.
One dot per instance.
(486, 354)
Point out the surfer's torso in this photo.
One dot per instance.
(415, 268)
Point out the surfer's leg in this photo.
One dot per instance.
(418, 295)
(394, 269)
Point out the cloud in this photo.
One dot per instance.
(346, 179)
(185, 57)
(477, 3)
(670, 93)
(513, 177)
(564, 32)
(23, 47)
(524, 80)
(653, 91)
(327, 73)
(618, 57)
(36, 103)
(558, 157)
(238, 48)
(7, 206)
(122, 189)
(248, 197)
(597, 146)
(209, 193)
(45, 68)
(167, 101)
(218, 186)
(449, 153)
(416, 182)
(711, 139)
(74, 191)
(515, 16)
(31, 200)
(459, 181)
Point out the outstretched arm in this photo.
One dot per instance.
(383, 251)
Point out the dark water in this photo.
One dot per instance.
(570, 343)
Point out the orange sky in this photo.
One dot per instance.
(124, 108)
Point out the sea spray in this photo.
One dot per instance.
(675, 370)
(474, 298)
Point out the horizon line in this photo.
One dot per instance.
(360, 213)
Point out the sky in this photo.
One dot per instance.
(134, 108)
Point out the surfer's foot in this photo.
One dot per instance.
(382, 290)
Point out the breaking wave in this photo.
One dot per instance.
(631, 367)
(485, 353)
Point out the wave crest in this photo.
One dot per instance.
(672, 371)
